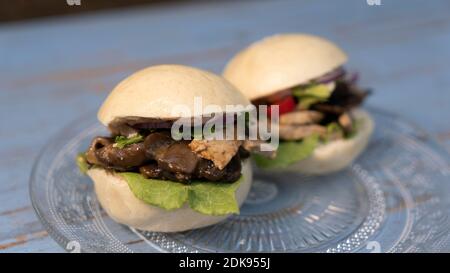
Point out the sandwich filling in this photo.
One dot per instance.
(313, 113)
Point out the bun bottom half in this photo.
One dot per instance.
(122, 206)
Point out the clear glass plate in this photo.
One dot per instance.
(394, 198)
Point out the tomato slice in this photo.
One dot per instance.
(285, 105)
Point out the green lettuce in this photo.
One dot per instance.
(211, 198)
(214, 198)
(82, 164)
(163, 194)
(311, 94)
(289, 152)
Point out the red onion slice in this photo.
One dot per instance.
(353, 78)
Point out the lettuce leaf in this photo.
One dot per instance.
(289, 152)
(211, 198)
(333, 127)
(82, 164)
(311, 94)
(214, 198)
(163, 194)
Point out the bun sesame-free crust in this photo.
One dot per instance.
(282, 61)
(153, 92)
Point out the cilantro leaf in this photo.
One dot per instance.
(82, 164)
(122, 141)
(165, 194)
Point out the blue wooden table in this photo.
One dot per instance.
(54, 70)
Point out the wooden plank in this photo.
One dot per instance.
(35, 242)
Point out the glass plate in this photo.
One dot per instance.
(394, 198)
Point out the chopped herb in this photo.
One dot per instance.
(122, 141)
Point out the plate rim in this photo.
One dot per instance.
(420, 133)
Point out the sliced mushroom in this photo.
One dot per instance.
(122, 129)
(130, 156)
(157, 143)
(151, 170)
(96, 144)
(161, 157)
(208, 170)
(178, 158)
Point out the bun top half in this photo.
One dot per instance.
(153, 92)
(282, 61)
